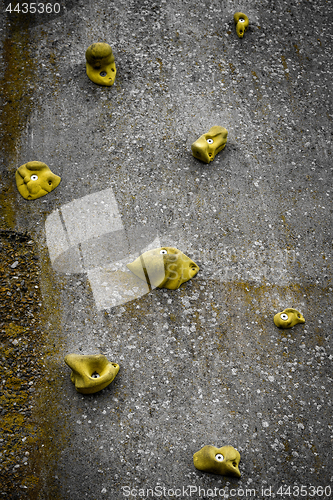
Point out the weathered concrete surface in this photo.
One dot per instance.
(204, 364)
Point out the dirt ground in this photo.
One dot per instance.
(203, 364)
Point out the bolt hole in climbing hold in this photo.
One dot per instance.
(170, 271)
(95, 375)
(34, 180)
(218, 460)
(242, 23)
(209, 144)
(288, 318)
(100, 63)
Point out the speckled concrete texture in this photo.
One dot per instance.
(204, 364)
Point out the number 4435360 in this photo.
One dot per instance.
(303, 491)
(34, 8)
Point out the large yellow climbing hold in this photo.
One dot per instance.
(164, 267)
(100, 65)
(288, 318)
(34, 180)
(91, 373)
(242, 23)
(222, 461)
(208, 145)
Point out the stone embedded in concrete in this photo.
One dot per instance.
(222, 461)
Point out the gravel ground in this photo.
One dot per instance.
(204, 364)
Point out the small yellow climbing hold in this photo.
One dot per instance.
(222, 461)
(34, 180)
(208, 145)
(164, 267)
(242, 23)
(91, 373)
(288, 318)
(100, 65)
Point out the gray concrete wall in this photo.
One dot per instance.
(204, 364)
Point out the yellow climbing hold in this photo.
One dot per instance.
(222, 461)
(208, 145)
(34, 180)
(91, 373)
(242, 23)
(288, 318)
(100, 65)
(164, 267)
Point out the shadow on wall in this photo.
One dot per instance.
(87, 236)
